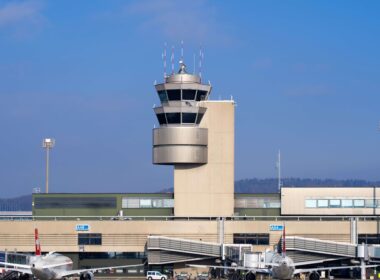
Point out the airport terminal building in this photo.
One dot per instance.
(203, 219)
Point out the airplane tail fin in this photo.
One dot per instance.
(283, 242)
(37, 243)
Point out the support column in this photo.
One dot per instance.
(363, 269)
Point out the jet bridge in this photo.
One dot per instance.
(302, 249)
(163, 250)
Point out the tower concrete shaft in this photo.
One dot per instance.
(196, 135)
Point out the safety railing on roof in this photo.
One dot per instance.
(185, 218)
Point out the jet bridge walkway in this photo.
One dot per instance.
(163, 250)
(302, 249)
(320, 246)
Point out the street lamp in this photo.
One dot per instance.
(47, 143)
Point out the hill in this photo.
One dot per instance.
(254, 185)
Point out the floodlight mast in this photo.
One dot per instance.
(47, 143)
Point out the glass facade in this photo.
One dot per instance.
(201, 95)
(188, 94)
(74, 202)
(199, 118)
(161, 118)
(162, 95)
(341, 203)
(89, 239)
(147, 202)
(257, 202)
(252, 238)
(188, 117)
(174, 94)
(178, 118)
(173, 118)
(184, 94)
(369, 238)
(111, 255)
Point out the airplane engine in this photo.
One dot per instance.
(87, 276)
(24, 277)
(314, 276)
(250, 276)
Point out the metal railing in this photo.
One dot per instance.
(184, 218)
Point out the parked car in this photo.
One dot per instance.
(182, 276)
(203, 276)
(155, 275)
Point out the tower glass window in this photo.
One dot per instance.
(188, 94)
(201, 95)
(174, 94)
(161, 118)
(199, 118)
(162, 95)
(188, 117)
(173, 118)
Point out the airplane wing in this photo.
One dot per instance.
(23, 268)
(16, 265)
(306, 270)
(80, 271)
(315, 262)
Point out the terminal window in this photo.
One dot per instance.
(251, 238)
(341, 203)
(369, 238)
(257, 202)
(146, 202)
(74, 202)
(89, 239)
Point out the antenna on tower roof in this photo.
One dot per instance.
(164, 59)
(172, 60)
(278, 165)
(193, 63)
(201, 56)
(182, 50)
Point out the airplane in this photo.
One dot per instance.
(279, 267)
(53, 266)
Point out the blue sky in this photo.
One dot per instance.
(304, 74)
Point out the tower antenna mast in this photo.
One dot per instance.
(182, 50)
(164, 59)
(279, 170)
(172, 60)
(201, 56)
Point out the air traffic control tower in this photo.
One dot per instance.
(196, 136)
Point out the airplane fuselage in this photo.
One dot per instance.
(50, 267)
(285, 268)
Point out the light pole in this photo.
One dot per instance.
(47, 143)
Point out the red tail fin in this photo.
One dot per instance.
(283, 242)
(37, 242)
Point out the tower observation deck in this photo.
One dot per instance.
(179, 139)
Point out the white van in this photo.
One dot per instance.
(155, 275)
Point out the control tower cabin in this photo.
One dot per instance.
(196, 135)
